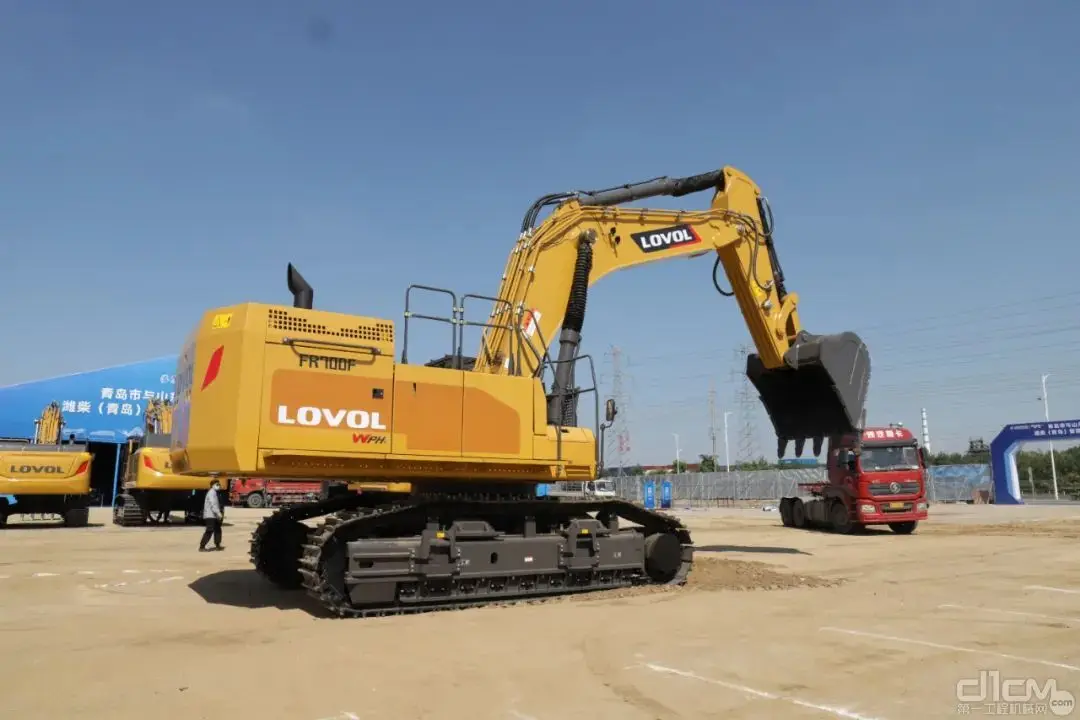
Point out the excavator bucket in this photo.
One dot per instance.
(818, 392)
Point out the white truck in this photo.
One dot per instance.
(603, 488)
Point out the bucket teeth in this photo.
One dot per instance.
(818, 392)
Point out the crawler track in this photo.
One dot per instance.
(422, 555)
(128, 513)
(278, 541)
(131, 511)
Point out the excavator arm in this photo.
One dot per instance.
(49, 427)
(812, 386)
(158, 418)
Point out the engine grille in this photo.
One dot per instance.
(879, 489)
(373, 332)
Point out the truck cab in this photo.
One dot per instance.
(602, 488)
(874, 477)
(882, 471)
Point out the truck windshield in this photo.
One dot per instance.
(889, 458)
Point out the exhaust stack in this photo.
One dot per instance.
(303, 295)
(819, 392)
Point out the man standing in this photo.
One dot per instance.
(212, 516)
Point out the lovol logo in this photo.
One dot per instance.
(325, 417)
(665, 238)
(37, 469)
(368, 439)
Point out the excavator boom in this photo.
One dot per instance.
(812, 386)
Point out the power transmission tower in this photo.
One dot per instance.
(712, 420)
(618, 435)
(746, 406)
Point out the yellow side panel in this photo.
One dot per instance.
(218, 383)
(427, 410)
(576, 447)
(539, 411)
(153, 471)
(312, 408)
(45, 473)
(497, 419)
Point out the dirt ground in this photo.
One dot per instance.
(113, 623)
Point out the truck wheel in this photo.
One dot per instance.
(255, 500)
(798, 513)
(79, 517)
(785, 512)
(840, 518)
(904, 528)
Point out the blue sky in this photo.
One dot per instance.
(159, 159)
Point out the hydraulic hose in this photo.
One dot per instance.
(579, 286)
(562, 406)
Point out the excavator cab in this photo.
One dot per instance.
(819, 391)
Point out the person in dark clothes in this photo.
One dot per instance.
(212, 516)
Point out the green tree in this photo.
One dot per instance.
(709, 464)
(678, 466)
(758, 464)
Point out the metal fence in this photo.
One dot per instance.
(946, 483)
(957, 483)
(721, 488)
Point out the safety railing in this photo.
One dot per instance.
(518, 344)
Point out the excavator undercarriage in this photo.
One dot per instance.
(374, 556)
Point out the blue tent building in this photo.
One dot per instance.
(101, 407)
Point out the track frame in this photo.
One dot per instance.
(375, 554)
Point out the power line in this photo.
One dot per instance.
(982, 326)
(928, 359)
(712, 420)
(985, 337)
(979, 311)
(934, 357)
(926, 362)
(945, 392)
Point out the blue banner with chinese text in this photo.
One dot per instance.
(100, 405)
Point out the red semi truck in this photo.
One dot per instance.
(260, 492)
(876, 477)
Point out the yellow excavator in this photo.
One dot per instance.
(46, 476)
(151, 491)
(269, 390)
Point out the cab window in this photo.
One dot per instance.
(890, 458)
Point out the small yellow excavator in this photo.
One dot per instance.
(151, 491)
(47, 476)
(272, 391)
